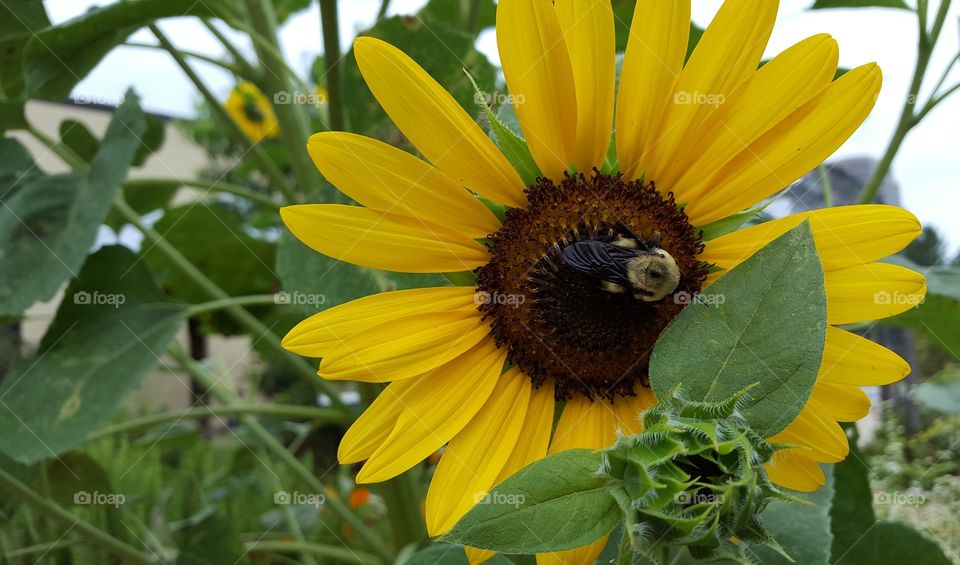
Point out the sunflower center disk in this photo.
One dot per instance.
(588, 337)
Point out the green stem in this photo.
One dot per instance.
(285, 411)
(41, 548)
(665, 555)
(382, 12)
(293, 118)
(123, 550)
(331, 59)
(209, 381)
(235, 54)
(827, 185)
(266, 165)
(306, 556)
(625, 550)
(339, 553)
(259, 331)
(907, 117)
(193, 55)
(207, 185)
(61, 150)
(214, 305)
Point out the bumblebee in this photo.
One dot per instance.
(625, 263)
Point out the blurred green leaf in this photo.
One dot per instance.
(824, 4)
(858, 538)
(144, 197)
(556, 503)
(18, 22)
(72, 474)
(216, 239)
(938, 316)
(50, 222)
(286, 8)
(443, 50)
(941, 392)
(12, 116)
(449, 554)
(473, 16)
(739, 333)
(151, 140)
(58, 57)
(108, 332)
(79, 139)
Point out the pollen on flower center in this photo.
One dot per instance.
(561, 325)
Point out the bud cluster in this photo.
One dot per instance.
(694, 478)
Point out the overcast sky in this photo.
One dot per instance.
(927, 167)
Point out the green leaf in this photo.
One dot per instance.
(938, 316)
(825, 4)
(556, 503)
(106, 335)
(762, 324)
(12, 116)
(794, 526)
(941, 393)
(79, 139)
(858, 538)
(58, 57)
(19, 21)
(49, 223)
(458, 14)
(144, 197)
(151, 140)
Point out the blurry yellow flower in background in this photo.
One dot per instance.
(252, 111)
(715, 134)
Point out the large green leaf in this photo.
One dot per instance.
(858, 538)
(49, 223)
(824, 4)
(795, 526)
(762, 324)
(58, 57)
(448, 554)
(473, 16)
(556, 503)
(106, 335)
(19, 21)
(941, 393)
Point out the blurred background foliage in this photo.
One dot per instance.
(200, 483)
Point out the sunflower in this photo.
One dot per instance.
(485, 369)
(251, 110)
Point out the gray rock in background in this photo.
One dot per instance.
(847, 177)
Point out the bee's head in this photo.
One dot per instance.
(654, 276)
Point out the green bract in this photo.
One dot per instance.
(694, 478)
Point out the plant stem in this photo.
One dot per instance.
(254, 299)
(207, 185)
(908, 118)
(259, 331)
(209, 381)
(266, 165)
(827, 185)
(248, 70)
(62, 151)
(665, 555)
(625, 549)
(127, 552)
(293, 118)
(42, 548)
(382, 12)
(191, 54)
(286, 411)
(334, 552)
(331, 60)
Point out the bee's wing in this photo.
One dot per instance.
(600, 260)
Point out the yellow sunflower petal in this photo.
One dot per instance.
(845, 236)
(585, 555)
(785, 83)
(441, 404)
(817, 431)
(628, 410)
(436, 125)
(789, 150)
(534, 437)
(539, 76)
(849, 359)
(375, 424)
(727, 54)
(474, 458)
(407, 348)
(315, 336)
(475, 556)
(585, 424)
(384, 178)
(871, 292)
(382, 241)
(844, 403)
(587, 28)
(655, 51)
(791, 469)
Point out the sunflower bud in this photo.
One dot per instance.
(694, 478)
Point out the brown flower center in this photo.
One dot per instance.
(559, 323)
